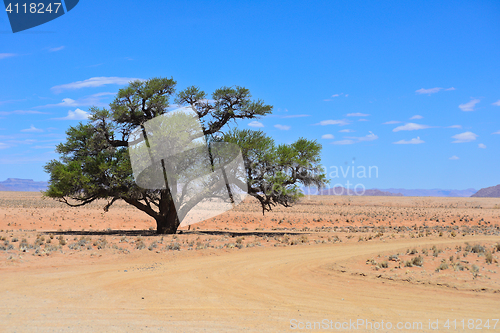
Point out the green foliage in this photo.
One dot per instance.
(94, 161)
(274, 172)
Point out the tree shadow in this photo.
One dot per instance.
(244, 233)
(103, 232)
(149, 233)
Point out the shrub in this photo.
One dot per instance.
(489, 257)
(83, 241)
(478, 249)
(303, 239)
(62, 241)
(417, 261)
(74, 246)
(285, 239)
(383, 264)
(174, 246)
(51, 248)
(153, 246)
(393, 257)
(442, 266)
(100, 243)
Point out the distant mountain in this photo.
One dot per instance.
(488, 192)
(344, 191)
(432, 193)
(392, 192)
(22, 185)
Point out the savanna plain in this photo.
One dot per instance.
(329, 263)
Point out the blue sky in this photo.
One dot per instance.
(409, 87)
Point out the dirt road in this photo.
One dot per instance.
(257, 289)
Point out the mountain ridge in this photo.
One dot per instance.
(488, 192)
(22, 185)
(392, 192)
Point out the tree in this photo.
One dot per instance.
(95, 161)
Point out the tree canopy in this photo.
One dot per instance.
(95, 160)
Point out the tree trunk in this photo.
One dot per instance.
(165, 225)
(168, 222)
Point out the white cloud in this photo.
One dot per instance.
(282, 127)
(22, 142)
(391, 122)
(346, 131)
(255, 123)
(94, 82)
(32, 129)
(357, 114)
(453, 158)
(6, 55)
(332, 122)
(369, 137)
(12, 101)
(455, 126)
(327, 136)
(76, 115)
(469, 106)
(55, 49)
(410, 127)
(497, 103)
(3, 145)
(349, 140)
(449, 89)
(417, 116)
(363, 119)
(497, 132)
(6, 113)
(65, 102)
(335, 95)
(414, 141)
(482, 145)
(343, 142)
(297, 116)
(92, 100)
(464, 137)
(43, 147)
(428, 91)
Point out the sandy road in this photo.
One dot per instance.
(258, 290)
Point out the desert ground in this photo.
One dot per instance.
(329, 263)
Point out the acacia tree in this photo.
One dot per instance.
(95, 164)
